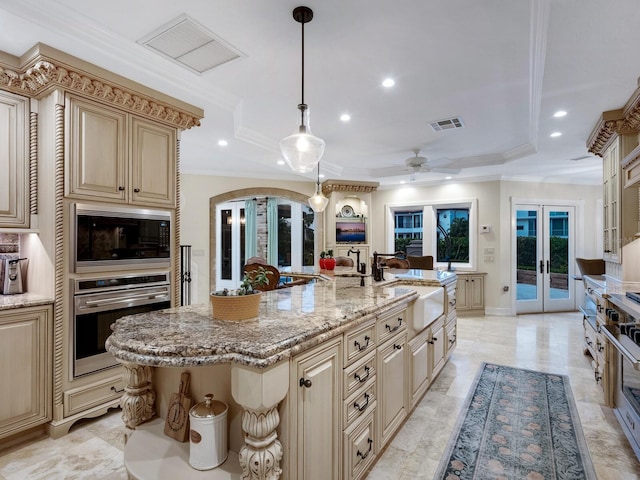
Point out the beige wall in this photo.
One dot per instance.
(494, 209)
(194, 207)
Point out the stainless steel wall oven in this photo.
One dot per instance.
(120, 237)
(99, 302)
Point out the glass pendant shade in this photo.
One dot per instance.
(318, 202)
(302, 151)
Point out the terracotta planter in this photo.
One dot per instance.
(235, 307)
(329, 263)
(322, 262)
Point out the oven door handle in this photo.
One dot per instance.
(89, 304)
(620, 348)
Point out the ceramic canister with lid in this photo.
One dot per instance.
(208, 433)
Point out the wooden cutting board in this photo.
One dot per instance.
(176, 424)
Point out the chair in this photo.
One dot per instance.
(395, 262)
(421, 263)
(258, 260)
(344, 262)
(273, 275)
(591, 266)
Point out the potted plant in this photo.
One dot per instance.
(329, 262)
(322, 260)
(243, 302)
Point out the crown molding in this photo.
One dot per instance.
(329, 186)
(44, 69)
(612, 123)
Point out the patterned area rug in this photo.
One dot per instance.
(518, 424)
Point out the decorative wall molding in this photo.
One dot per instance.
(41, 75)
(622, 121)
(329, 186)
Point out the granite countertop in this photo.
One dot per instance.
(291, 320)
(21, 300)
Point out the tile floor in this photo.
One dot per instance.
(549, 343)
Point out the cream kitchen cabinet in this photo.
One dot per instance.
(316, 437)
(419, 352)
(437, 341)
(393, 375)
(470, 295)
(620, 205)
(116, 156)
(14, 161)
(25, 368)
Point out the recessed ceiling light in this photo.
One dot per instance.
(388, 82)
(321, 175)
(280, 162)
(403, 182)
(223, 143)
(345, 117)
(555, 134)
(560, 113)
(448, 177)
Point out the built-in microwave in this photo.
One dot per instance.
(114, 236)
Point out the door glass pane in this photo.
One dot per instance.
(226, 244)
(559, 254)
(284, 235)
(527, 248)
(453, 235)
(308, 235)
(243, 224)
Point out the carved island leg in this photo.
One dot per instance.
(138, 400)
(259, 392)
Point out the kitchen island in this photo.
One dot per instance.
(261, 360)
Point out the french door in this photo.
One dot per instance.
(544, 245)
(230, 246)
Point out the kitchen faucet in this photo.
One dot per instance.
(376, 270)
(360, 267)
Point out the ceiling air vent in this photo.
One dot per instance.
(190, 44)
(447, 124)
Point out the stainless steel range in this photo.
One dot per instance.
(100, 301)
(624, 334)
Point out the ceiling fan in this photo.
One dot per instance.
(418, 164)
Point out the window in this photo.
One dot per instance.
(296, 230)
(452, 237)
(416, 231)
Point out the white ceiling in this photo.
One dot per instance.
(503, 66)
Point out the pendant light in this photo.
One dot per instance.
(302, 150)
(318, 202)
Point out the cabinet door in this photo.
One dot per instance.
(437, 342)
(611, 201)
(25, 369)
(14, 160)
(392, 386)
(318, 430)
(462, 287)
(419, 366)
(475, 294)
(153, 163)
(96, 146)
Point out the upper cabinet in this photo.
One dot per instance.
(14, 161)
(117, 156)
(615, 139)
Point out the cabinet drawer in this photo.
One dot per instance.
(359, 342)
(359, 373)
(452, 336)
(391, 324)
(82, 398)
(359, 447)
(360, 403)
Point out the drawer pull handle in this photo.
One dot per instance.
(305, 383)
(365, 377)
(363, 407)
(393, 329)
(597, 376)
(114, 389)
(452, 340)
(137, 190)
(589, 342)
(599, 346)
(397, 347)
(432, 341)
(121, 188)
(365, 454)
(356, 343)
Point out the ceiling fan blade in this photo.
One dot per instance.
(452, 171)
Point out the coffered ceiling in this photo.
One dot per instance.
(501, 67)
